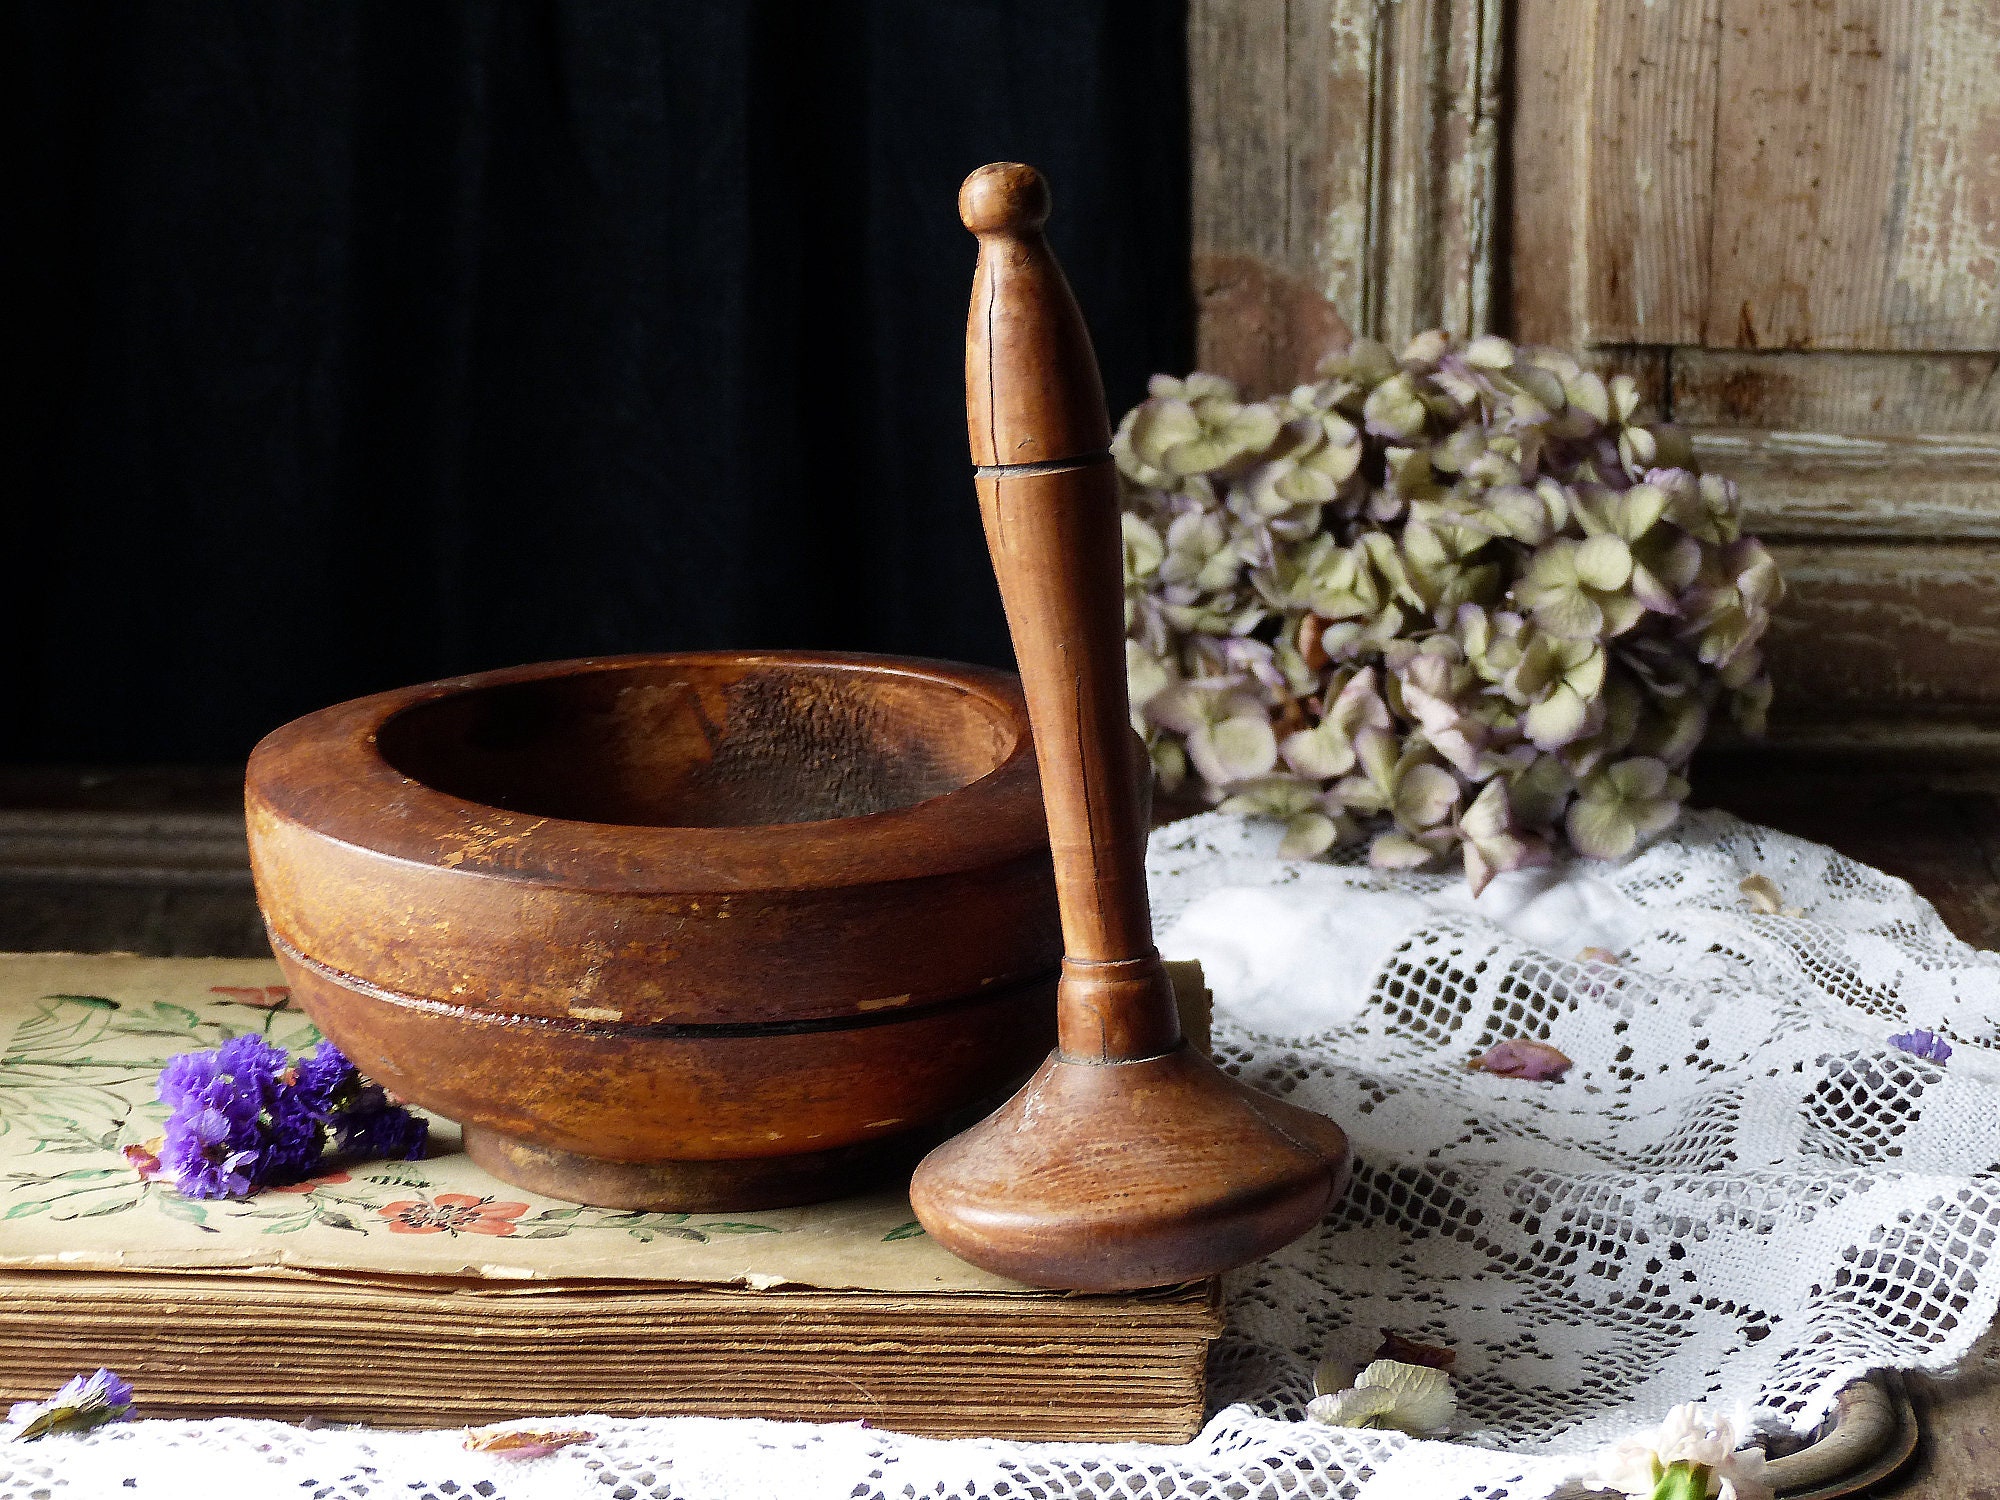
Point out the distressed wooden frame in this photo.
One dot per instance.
(1308, 229)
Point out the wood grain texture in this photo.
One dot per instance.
(1886, 629)
(1345, 159)
(735, 1100)
(1648, 137)
(706, 907)
(1547, 273)
(1812, 485)
(1129, 1159)
(1280, 160)
(1857, 163)
(1854, 394)
(1434, 161)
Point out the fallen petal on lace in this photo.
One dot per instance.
(1516, 1057)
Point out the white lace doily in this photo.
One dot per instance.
(1741, 1193)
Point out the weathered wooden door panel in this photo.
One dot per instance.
(1783, 216)
(1857, 168)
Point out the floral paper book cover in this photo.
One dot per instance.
(82, 1042)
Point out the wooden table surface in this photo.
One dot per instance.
(151, 861)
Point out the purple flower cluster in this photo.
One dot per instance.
(245, 1116)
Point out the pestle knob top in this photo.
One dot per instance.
(1005, 197)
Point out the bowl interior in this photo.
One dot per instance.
(703, 744)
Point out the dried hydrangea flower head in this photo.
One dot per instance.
(1459, 601)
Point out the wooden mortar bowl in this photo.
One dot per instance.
(709, 930)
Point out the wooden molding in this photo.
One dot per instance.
(1434, 135)
(157, 849)
(1823, 486)
(1345, 158)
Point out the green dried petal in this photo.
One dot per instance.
(1395, 410)
(1490, 352)
(1586, 391)
(1144, 549)
(1308, 835)
(1603, 562)
(1427, 348)
(1398, 851)
(1624, 392)
(1601, 829)
(1425, 795)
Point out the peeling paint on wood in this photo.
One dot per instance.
(1883, 627)
(1810, 485)
(1858, 176)
(1350, 149)
(1827, 392)
(1265, 329)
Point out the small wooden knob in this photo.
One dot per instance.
(1004, 198)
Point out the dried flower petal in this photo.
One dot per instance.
(145, 1157)
(1416, 1399)
(524, 1442)
(1409, 1352)
(1921, 1043)
(84, 1402)
(1764, 897)
(1517, 1057)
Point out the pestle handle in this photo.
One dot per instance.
(1048, 494)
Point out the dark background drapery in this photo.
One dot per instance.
(359, 343)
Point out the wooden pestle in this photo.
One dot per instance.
(1129, 1159)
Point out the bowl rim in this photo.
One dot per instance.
(324, 773)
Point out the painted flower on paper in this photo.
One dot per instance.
(84, 1402)
(453, 1214)
(1921, 1043)
(1417, 1399)
(1693, 1455)
(1475, 551)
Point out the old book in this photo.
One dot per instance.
(430, 1294)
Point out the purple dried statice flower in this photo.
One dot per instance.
(211, 1156)
(295, 1139)
(1921, 1043)
(325, 1077)
(370, 1124)
(220, 1103)
(245, 1116)
(84, 1402)
(237, 1078)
